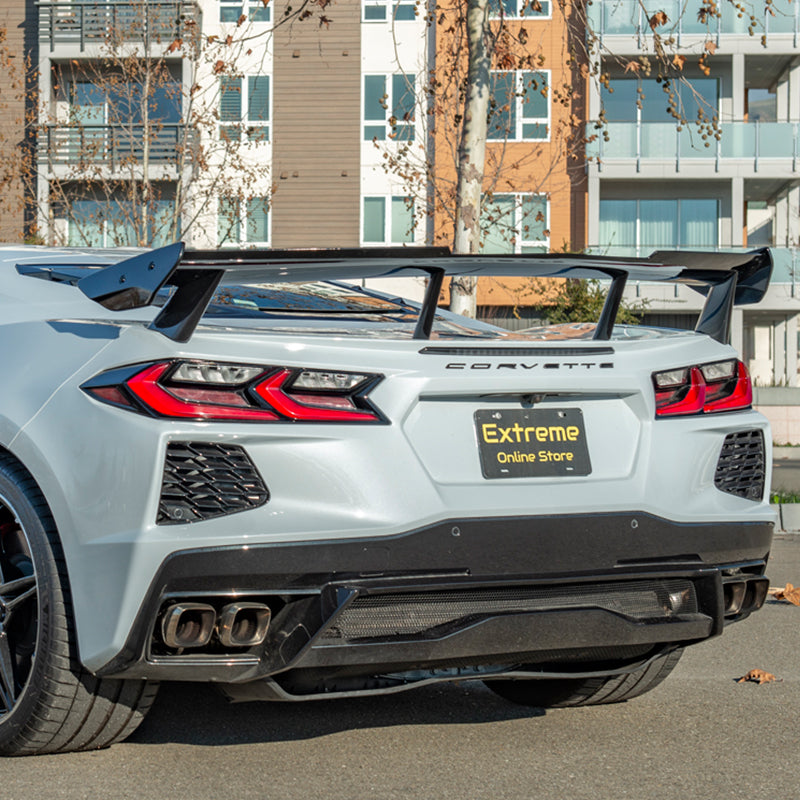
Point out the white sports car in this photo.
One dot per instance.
(235, 467)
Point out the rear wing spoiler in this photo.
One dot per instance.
(727, 279)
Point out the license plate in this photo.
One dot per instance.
(532, 443)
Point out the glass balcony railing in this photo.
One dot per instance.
(92, 23)
(785, 269)
(642, 141)
(114, 146)
(630, 18)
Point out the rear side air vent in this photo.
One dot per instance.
(740, 468)
(203, 480)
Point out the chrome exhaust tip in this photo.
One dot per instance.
(243, 624)
(188, 625)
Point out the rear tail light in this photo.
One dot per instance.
(706, 389)
(210, 391)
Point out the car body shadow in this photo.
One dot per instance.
(197, 714)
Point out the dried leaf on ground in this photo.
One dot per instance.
(789, 593)
(758, 676)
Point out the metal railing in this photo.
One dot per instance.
(92, 23)
(114, 146)
(629, 18)
(661, 141)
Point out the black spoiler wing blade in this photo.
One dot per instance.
(727, 279)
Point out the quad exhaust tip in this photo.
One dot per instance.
(188, 625)
(243, 624)
(192, 625)
(744, 595)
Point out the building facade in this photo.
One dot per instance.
(731, 182)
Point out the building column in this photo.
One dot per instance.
(793, 214)
(737, 331)
(593, 208)
(737, 212)
(791, 350)
(738, 86)
(794, 92)
(779, 352)
(782, 222)
(43, 222)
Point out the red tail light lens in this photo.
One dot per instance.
(735, 391)
(211, 391)
(708, 388)
(686, 397)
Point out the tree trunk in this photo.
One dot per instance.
(472, 153)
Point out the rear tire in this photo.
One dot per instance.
(48, 702)
(565, 692)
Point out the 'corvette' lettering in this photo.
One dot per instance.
(570, 365)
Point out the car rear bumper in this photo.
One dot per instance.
(472, 595)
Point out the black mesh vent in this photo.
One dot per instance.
(203, 480)
(420, 614)
(740, 469)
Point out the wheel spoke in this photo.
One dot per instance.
(12, 604)
(18, 586)
(8, 692)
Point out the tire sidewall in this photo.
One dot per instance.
(16, 497)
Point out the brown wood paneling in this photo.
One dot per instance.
(316, 142)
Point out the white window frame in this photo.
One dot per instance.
(242, 240)
(521, 5)
(518, 98)
(244, 124)
(389, 106)
(516, 225)
(246, 7)
(390, 8)
(387, 241)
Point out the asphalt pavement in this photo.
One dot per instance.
(700, 734)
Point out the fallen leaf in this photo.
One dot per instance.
(788, 593)
(633, 66)
(758, 676)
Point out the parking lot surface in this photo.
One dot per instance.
(699, 734)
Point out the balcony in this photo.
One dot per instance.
(760, 144)
(629, 18)
(96, 23)
(114, 147)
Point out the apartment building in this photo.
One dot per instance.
(289, 135)
(660, 183)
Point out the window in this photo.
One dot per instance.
(519, 8)
(651, 224)
(388, 220)
(254, 10)
(389, 102)
(515, 223)
(520, 106)
(244, 108)
(243, 221)
(110, 222)
(124, 102)
(387, 10)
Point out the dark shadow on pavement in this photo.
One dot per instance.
(197, 714)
